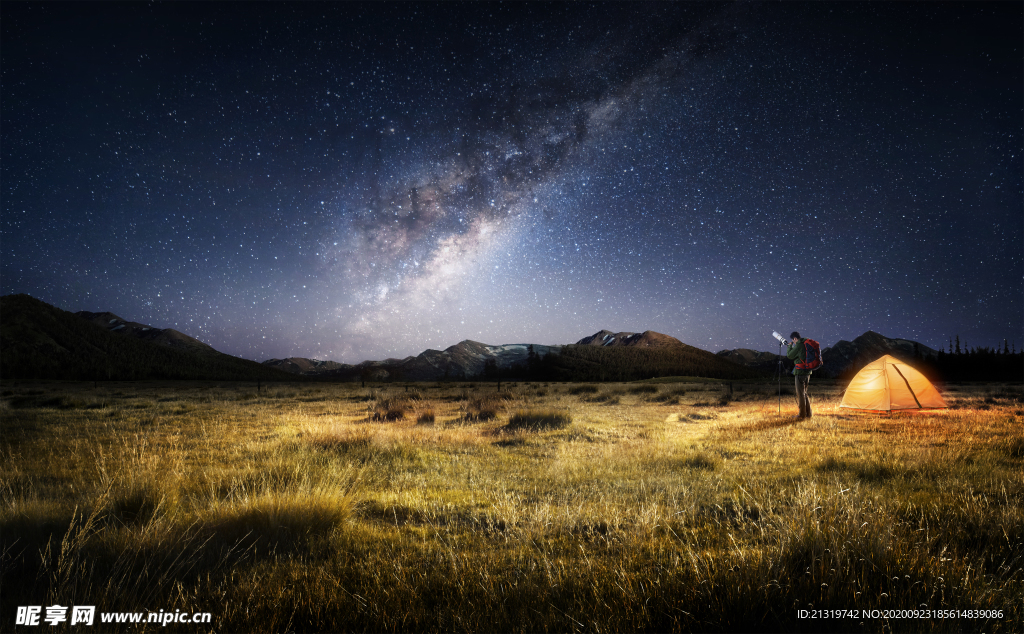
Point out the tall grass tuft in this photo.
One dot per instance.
(283, 519)
(1014, 448)
(484, 408)
(538, 419)
(342, 442)
(388, 409)
(702, 461)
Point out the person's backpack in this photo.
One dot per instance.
(812, 356)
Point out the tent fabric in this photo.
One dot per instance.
(888, 384)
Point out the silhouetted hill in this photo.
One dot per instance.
(763, 361)
(846, 358)
(465, 360)
(631, 363)
(164, 336)
(301, 365)
(39, 341)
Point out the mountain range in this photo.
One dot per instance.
(300, 365)
(40, 341)
(465, 359)
(471, 358)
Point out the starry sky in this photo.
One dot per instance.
(358, 181)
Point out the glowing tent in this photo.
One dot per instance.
(888, 384)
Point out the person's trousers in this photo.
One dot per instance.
(804, 401)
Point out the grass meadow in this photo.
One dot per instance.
(657, 506)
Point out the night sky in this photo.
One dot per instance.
(352, 181)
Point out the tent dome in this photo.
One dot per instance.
(888, 384)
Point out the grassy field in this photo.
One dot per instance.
(542, 507)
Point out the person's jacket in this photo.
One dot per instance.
(798, 354)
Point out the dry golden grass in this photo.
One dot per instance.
(612, 507)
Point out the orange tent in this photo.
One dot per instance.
(888, 384)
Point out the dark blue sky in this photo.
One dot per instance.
(352, 181)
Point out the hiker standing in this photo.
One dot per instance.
(797, 351)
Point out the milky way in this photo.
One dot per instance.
(353, 181)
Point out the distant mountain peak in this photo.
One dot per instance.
(645, 339)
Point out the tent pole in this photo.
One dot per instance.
(910, 389)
